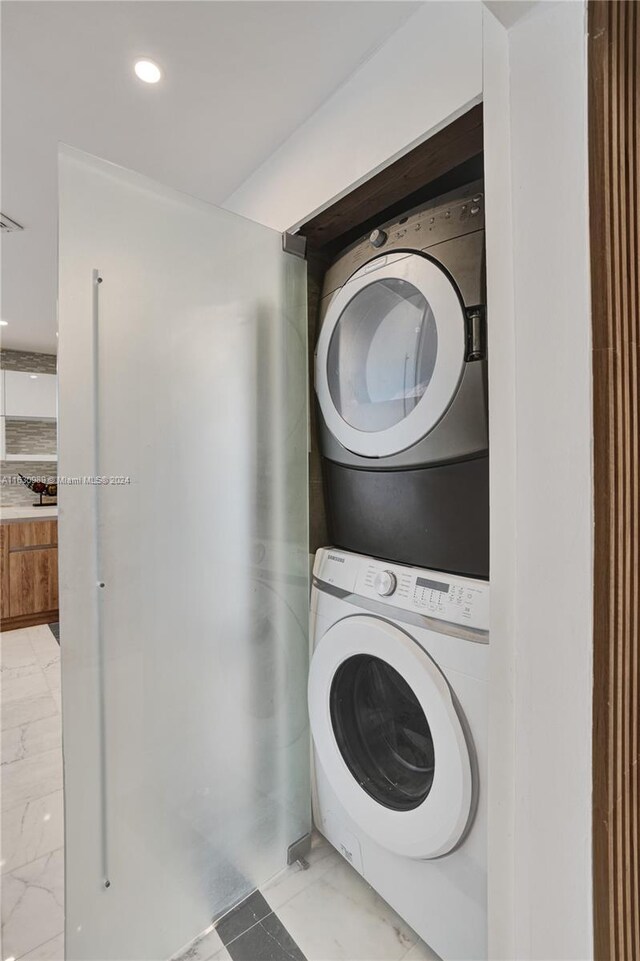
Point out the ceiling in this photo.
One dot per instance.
(239, 78)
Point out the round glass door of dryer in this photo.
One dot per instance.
(390, 355)
(382, 355)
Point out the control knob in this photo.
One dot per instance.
(385, 583)
(377, 238)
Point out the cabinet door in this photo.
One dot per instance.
(184, 677)
(4, 570)
(33, 534)
(30, 395)
(33, 581)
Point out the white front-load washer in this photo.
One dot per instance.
(398, 710)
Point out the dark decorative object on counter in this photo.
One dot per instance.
(42, 489)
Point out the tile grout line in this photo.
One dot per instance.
(28, 884)
(226, 944)
(45, 717)
(261, 923)
(328, 856)
(38, 946)
(35, 720)
(33, 754)
(49, 692)
(7, 810)
(279, 943)
(27, 864)
(32, 797)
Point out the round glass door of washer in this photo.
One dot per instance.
(388, 737)
(382, 732)
(390, 356)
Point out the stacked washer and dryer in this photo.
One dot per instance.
(399, 607)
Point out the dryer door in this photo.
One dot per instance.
(389, 738)
(390, 354)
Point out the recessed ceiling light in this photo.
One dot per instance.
(33, 376)
(147, 71)
(4, 323)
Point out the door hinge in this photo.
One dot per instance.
(295, 244)
(299, 849)
(476, 339)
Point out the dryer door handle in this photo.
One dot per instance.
(476, 334)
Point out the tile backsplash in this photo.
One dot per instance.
(31, 437)
(28, 360)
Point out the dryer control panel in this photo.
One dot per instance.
(446, 597)
(455, 214)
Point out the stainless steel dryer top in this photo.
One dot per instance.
(400, 359)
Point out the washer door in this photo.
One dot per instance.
(388, 737)
(390, 355)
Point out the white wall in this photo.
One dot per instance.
(554, 490)
(429, 71)
(541, 485)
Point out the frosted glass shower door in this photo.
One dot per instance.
(183, 559)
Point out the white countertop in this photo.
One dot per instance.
(28, 513)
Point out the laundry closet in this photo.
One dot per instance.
(399, 489)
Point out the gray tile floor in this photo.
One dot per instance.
(327, 912)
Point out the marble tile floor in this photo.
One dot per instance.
(325, 913)
(31, 817)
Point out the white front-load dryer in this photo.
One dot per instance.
(398, 710)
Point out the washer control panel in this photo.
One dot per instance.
(447, 597)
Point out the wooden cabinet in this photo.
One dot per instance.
(33, 534)
(33, 581)
(4, 572)
(28, 573)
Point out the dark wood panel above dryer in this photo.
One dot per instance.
(449, 158)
